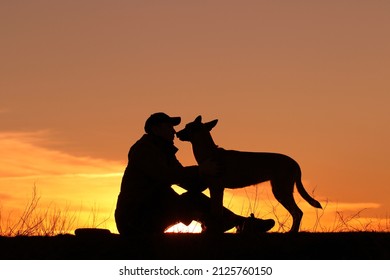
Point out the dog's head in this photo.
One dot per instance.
(194, 128)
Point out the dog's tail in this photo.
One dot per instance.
(305, 195)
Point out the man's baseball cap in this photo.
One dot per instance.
(159, 118)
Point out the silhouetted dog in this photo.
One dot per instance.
(241, 169)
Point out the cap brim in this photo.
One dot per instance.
(175, 120)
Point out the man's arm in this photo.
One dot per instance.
(150, 163)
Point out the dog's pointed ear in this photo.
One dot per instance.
(211, 125)
(198, 119)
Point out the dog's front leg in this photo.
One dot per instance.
(216, 197)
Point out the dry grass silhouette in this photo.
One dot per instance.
(341, 221)
(51, 221)
(48, 221)
(49, 234)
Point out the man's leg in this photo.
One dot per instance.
(197, 206)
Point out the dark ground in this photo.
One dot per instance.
(271, 246)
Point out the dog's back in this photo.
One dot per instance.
(241, 169)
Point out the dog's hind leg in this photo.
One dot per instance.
(283, 192)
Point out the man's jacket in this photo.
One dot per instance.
(151, 171)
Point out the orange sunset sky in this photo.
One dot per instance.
(305, 78)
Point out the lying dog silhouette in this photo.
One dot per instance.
(241, 169)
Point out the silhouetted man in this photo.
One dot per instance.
(148, 204)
